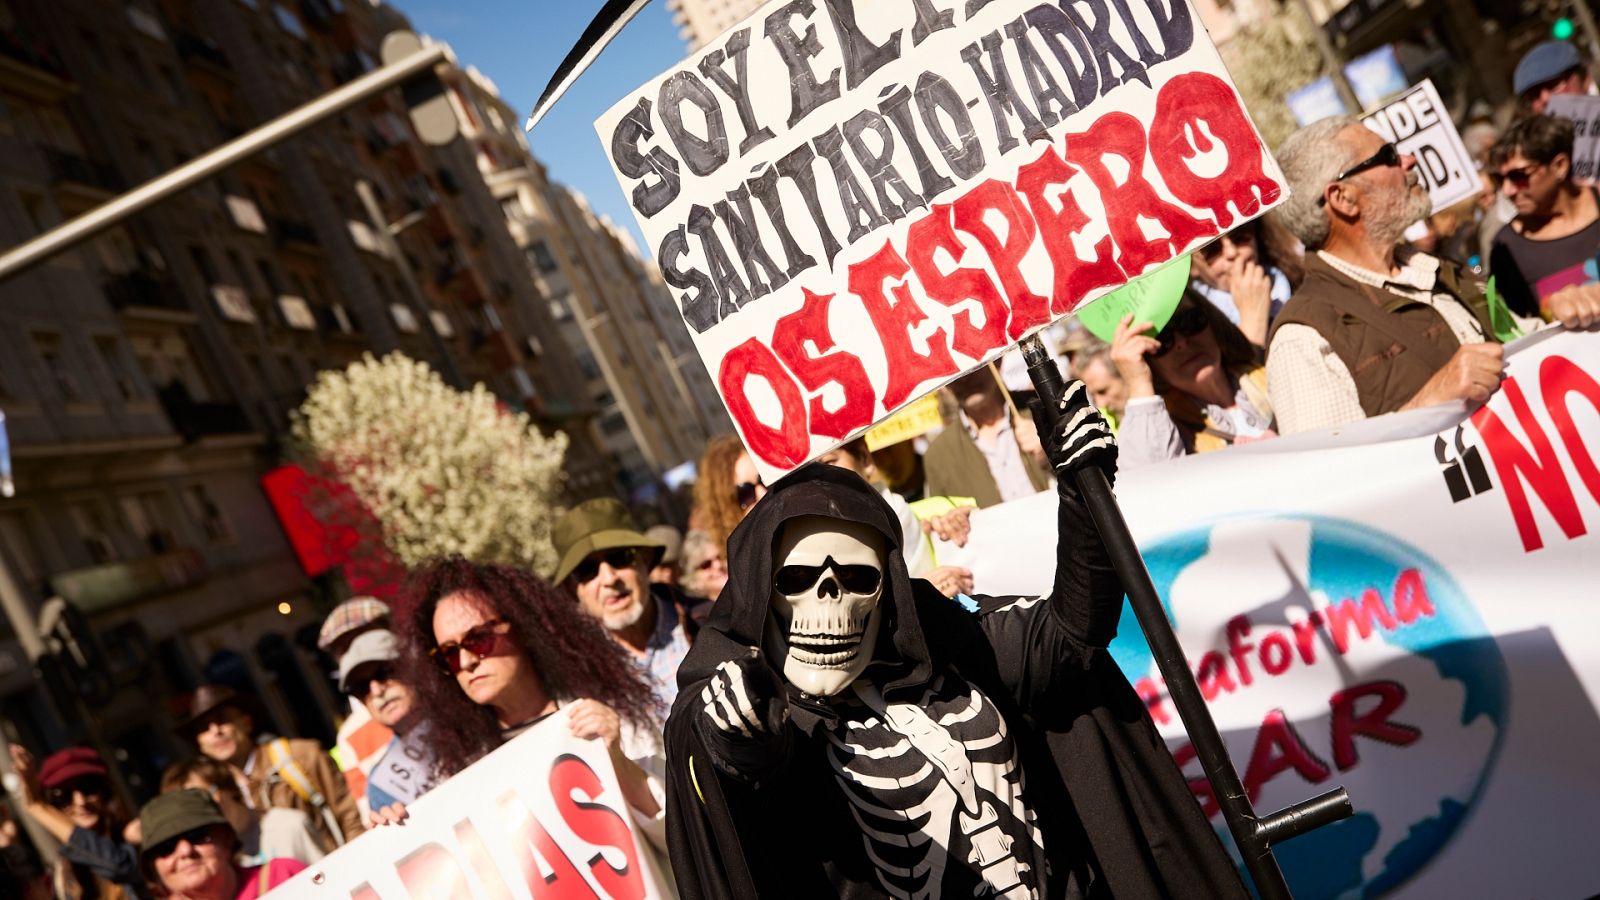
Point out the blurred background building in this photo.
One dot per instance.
(147, 376)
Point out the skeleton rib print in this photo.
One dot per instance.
(938, 794)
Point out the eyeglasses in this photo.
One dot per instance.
(1243, 238)
(705, 564)
(1387, 155)
(617, 558)
(60, 796)
(361, 684)
(747, 492)
(1521, 177)
(197, 837)
(480, 641)
(857, 579)
(1186, 322)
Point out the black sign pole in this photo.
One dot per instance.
(1255, 836)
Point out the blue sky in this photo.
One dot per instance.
(519, 43)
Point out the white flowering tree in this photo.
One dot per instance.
(440, 471)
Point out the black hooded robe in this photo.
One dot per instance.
(766, 818)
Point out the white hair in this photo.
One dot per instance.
(1311, 158)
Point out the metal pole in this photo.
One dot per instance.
(201, 167)
(25, 625)
(419, 301)
(1254, 837)
(1331, 60)
(1591, 34)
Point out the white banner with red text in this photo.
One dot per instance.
(540, 817)
(1407, 606)
(854, 203)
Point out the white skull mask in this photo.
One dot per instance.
(827, 579)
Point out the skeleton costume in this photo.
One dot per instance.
(844, 731)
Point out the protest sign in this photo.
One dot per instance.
(542, 816)
(1418, 124)
(1152, 299)
(1404, 606)
(914, 420)
(1584, 111)
(855, 203)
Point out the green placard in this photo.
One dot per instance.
(1151, 298)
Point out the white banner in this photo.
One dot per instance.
(854, 203)
(1406, 607)
(542, 816)
(1584, 111)
(1419, 124)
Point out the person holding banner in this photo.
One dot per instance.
(1372, 329)
(188, 852)
(843, 730)
(1196, 385)
(1543, 260)
(492, 650)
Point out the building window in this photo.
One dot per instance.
(204, 264)
(208, 514)
(150, 517)
(541, 257)
(116, 367)
(34, 205)
(53, 355)
(93, 525)
(288, 21)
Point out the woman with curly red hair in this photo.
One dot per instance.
(492, 650)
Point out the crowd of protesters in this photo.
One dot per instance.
(1352, 300)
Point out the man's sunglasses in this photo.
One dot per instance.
(1186, 322)
(361, 684)
(1521, 177)
(618, 558)
(479, 641)
(196, 837)
(60, 796)
(1387, 155)
(856, 579)
(747, 492)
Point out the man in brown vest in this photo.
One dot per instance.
(1372, 329)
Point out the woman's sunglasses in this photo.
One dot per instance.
(1242, 238)
(856, 579)
(60, 796)
(617, 558)
(196, 837)
(747, 493)
(1186, 322)
(479, 641)
(1387, 155)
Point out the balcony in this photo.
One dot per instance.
(137, 291)
(100, 588)
(70, 170)
(203, 54)
(294, 232)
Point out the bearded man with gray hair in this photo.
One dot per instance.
(1374, 328)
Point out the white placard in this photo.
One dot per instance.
(853, 203)
(1419, 124)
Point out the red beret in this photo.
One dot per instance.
(74, 762)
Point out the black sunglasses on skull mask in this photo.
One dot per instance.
(857, 579)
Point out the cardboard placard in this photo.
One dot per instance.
(1418, 124)
(853, 204)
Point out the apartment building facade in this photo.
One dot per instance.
(147, 376)
(655, 403)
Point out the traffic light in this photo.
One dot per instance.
(431, 114)
(1561, 29)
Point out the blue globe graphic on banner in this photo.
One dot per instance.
(1329, 654)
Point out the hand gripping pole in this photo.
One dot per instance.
(1254, 836)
